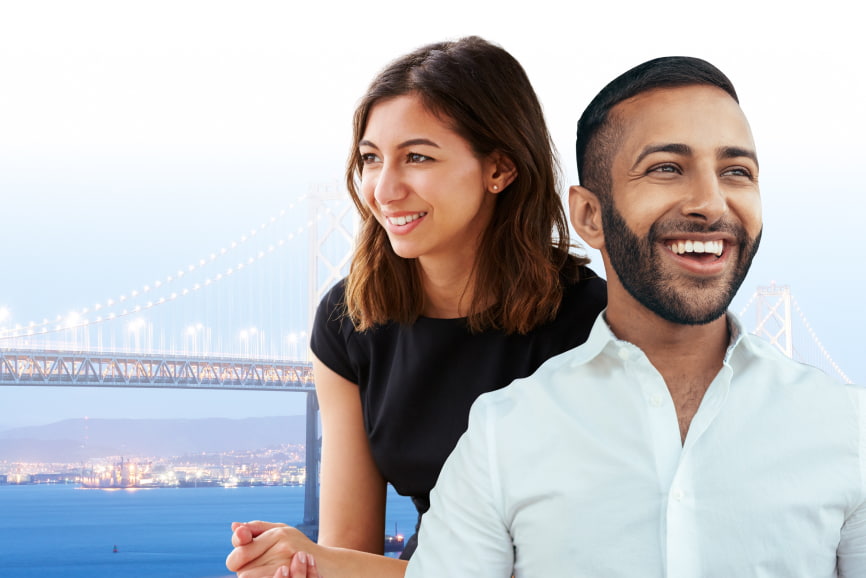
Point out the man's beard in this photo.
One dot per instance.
(683, 300)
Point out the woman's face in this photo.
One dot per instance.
(424, 184)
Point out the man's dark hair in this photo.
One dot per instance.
(598, 133)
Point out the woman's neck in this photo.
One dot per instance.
(448, 289)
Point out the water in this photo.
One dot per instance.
(63, 530)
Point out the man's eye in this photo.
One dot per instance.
(665, 168)
(738, 172)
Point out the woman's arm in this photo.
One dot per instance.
(263, 555)
(351, 503)
(352, 493)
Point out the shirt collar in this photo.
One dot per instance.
(602, 337)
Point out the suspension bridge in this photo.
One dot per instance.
(236, 319)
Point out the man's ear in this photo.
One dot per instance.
(585, 212)
(499, 172)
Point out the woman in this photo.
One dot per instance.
(461, 282)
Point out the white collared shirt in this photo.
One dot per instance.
(579, 471)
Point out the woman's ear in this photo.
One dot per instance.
(499, 172)
(585, 212)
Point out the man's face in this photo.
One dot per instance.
(683, 220)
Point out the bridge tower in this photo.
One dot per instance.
(331, 239)
(773, 309)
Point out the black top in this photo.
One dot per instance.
(417, 382)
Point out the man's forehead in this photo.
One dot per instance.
(695, 115)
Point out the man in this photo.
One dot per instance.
(671, 443)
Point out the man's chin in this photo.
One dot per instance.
(683, 308)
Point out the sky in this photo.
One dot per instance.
(136, 137)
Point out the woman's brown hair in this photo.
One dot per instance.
(486, 96)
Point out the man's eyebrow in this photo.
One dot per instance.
(676, 148)
(684, 149)
(734, 152)
(404, 144)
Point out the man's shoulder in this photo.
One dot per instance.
(766, 365)
(770, 358)
(528, 394)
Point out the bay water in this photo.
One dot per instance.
(64, 530)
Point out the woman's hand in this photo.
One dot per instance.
(262, 547)
(303, 566)
(244, 532)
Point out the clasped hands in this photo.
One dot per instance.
(265, 550)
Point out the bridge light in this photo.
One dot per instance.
(73, 319)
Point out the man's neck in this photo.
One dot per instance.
(688, 357)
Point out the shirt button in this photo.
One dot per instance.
(678, 495)
(655, 400)
(624, 353)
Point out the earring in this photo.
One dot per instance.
(495, 187)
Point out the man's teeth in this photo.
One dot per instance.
(402, 220)
(712, 247)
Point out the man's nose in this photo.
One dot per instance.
(707, 199)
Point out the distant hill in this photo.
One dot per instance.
(78, 439)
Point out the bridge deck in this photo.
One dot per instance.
(97, 369)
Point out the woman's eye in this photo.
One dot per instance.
(368, 158)
(417, 158)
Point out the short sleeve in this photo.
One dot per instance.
(329, 336)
